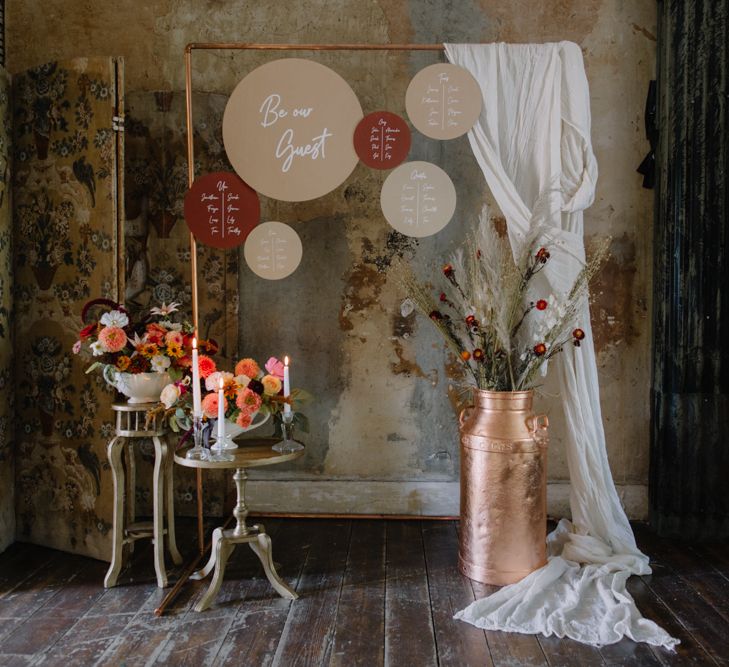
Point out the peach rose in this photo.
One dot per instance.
(271, 385)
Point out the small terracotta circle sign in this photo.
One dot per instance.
(418, 199)
(382, 140)
(443, 101)
(221, 210)
(288, 129)
(273, 250)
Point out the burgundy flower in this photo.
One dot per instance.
(541, 304)
(542, 255)
(435, 315)
(256, 386)
(540, 349)
(478, 354)
(578, 334)
(443, 297)
(448, 270)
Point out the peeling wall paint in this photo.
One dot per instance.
(385, 399)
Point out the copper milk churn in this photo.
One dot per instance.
(503, 487)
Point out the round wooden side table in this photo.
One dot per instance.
(130, 426)
(224, 541)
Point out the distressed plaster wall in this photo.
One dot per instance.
(382, 410)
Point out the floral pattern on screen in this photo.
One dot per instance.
(7, 423)
(66, 240)
(158, 245)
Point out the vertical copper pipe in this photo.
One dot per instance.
(193, 268)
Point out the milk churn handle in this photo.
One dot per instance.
(537, 423)
(462, 413)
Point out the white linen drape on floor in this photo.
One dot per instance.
(532, 142)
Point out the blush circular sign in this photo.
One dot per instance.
(288, 129)
(443, 101)
(382, 140)
(221, 210)
(418, 199)
(273, 250)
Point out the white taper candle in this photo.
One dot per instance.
(196, 398)
(221, 413)
(287, 385)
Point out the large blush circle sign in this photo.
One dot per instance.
(273, 250)
(288, 129)
(382, 140)
(221, 210)
(443, 101)
(418, 199)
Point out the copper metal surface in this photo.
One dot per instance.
(503, 488)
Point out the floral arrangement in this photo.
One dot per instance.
(250, 389)
(493, 310)
(155, 343)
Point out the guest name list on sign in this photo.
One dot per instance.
(418, 199)
(221, 210)
(443, 101)
(273, 250)
(382, 140)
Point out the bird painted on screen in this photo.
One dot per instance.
(84, 172)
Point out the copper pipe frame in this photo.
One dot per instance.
(245, 46)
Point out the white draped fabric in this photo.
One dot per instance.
(532, 142)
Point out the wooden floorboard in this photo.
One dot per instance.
(458, 643)
(372, 593)
(359, 631)
(409, 636)
(309, 629)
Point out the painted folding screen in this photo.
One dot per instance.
(67, 207)
(158, 246)
(7, 422)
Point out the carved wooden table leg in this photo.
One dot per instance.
(130, 492)
(114, 452)
(170, 508)
(220, 553)
(262, 548)
(160, 457)
(224, 542)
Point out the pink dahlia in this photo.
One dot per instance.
(248, 400)
(210, 405)
(113, 339)
(244, 419)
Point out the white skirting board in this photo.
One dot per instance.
(411, 498)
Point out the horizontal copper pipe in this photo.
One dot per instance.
(392, 517)
(243, 46)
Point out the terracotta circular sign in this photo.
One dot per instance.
(443, 101)
(273, 250)
(221, 210)
(418, 199)
(288, 129)
(382, 140)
